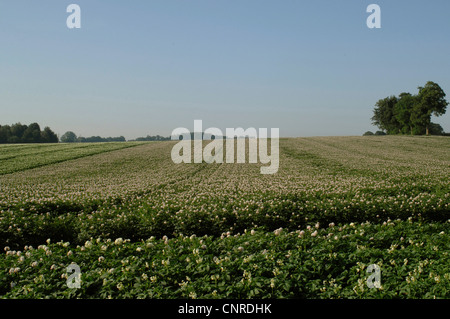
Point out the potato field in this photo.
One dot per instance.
(139, 226)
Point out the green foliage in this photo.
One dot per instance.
(48, 136)
(436, 129)
(410, 114)
(153, 138)
(32, 134)
(98, 139)
(403, 110)
(69, 137)
(384, 115)
(19, 133)
(433, 98)
(328, 262)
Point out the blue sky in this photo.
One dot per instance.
(309, 68)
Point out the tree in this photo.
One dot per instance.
(368, 133)
(384, 115)
(156, 138)
(402, 112)
(32, 134)
(5, 132)
(17, 131)
(431, 102)
(69, 137)
(436, 129)
(99, 139)
(48, 136)
(410, 113)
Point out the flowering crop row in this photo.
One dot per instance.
(329, 262)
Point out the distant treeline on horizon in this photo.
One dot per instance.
(21, 133)
(71, 137)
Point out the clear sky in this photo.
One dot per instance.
(146, 67)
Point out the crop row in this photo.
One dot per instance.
(203, 215)
(18, 158)
(328, 262)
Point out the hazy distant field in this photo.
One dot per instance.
(140, 226)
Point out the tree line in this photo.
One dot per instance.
(411, 114)
(21, 133)
(153, 138)
(71, 137)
